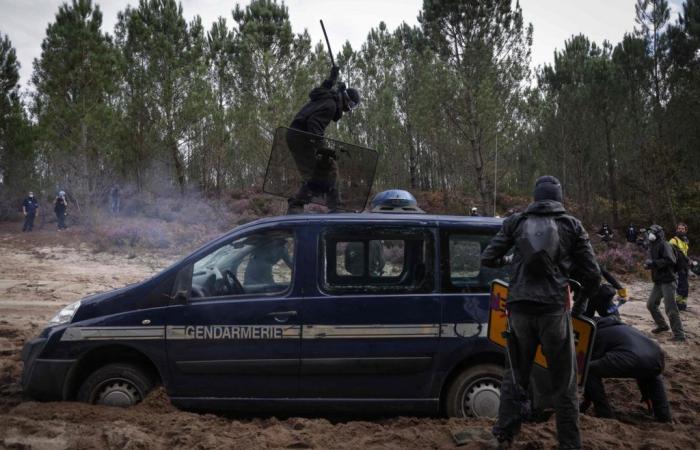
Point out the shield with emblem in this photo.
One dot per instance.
(319, 170)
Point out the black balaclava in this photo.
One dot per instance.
(548, 188)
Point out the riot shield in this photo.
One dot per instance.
(584, 331)
(319, 170)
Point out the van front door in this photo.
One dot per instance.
(238, 335)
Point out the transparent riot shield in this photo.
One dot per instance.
(314, 169)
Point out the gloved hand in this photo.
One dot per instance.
(341, 87)
(335, 70)
(622, 293)
(648, 264)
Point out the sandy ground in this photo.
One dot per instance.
(39, 275)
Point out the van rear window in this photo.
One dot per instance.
(378, 260)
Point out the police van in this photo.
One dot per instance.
(338, 312)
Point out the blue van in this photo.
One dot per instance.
(340, 312)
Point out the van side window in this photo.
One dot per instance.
(261, 263)
(462, 254)
(372, 260)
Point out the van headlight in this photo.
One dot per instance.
(65, 315)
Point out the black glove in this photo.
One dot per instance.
(648, 264)
(335, 70)
(341, 87)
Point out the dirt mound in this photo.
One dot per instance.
(36, 281)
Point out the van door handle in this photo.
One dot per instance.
(282, 316)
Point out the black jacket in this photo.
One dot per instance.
(324, 106)
(574, 250)
(663, 261)
(625, 348)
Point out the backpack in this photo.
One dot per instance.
(539, 245)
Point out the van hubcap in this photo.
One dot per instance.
(117, 393)
(481, 398)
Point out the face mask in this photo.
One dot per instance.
(652, 237)
(31, 195)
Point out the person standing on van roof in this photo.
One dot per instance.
(30, 206)
(327, 103)
(547, 243)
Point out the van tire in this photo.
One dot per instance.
(116, 385)
(475, 392)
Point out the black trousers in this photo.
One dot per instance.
(554, 332)
(650, 383)
(29, 221)
(61, 219)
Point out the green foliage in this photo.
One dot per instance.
(75, 81)
(448, 104)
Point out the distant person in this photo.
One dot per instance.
(114, 200)
(642, 241)
(30, 208)
(474, 212)
(605, 233)
(60, 207)
(318, 165)
(621, 351)
(682, 245)
(631, 234)
(547, 243)
(661, 262)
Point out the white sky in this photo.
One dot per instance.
(554, 21)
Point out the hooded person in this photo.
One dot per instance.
(60, 207)
(30, 206)
(547, 243)
(602, 301)
(621, 351)
(682, 245)
(662, 263)
(316, 164)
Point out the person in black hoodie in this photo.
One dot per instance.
(602, 301)
(317, 165)
(547, 243)
(621, 351)
(662, 262)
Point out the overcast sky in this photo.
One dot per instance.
(554, 21)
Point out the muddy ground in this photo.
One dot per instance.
(47, 270)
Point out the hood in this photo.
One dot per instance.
(321, 93)
(660, 235)
(542, 207)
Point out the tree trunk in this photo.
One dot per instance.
(612, 172)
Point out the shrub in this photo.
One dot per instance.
(624, 259)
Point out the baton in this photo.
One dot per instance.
(330, 52)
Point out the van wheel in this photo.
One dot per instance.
(115, 385)
(475, 392)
